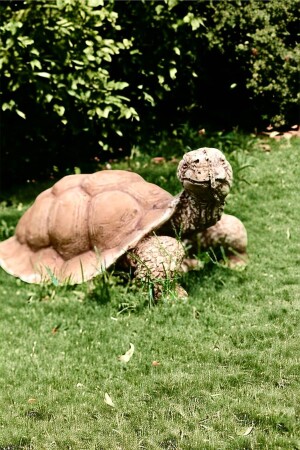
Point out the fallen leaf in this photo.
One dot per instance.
(128, 355)
(108, 400)
(155, 363)
(31, 400)
(55, 329)
(248, 431)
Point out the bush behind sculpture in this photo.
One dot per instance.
(77, 75)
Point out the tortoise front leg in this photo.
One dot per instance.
(157, 261)
(228, 235)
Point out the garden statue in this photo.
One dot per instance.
(85, 223)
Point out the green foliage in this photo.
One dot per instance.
(5, 230)
(62, 56)
(262, 37)
(228, 62)
(76, 76)
(58, 55)
(162, 64)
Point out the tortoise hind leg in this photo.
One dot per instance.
(157, 262)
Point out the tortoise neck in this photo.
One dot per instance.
(194, 213)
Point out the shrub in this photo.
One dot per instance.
(260, 38)
(55, 60)
(223, 63)
(78, 74)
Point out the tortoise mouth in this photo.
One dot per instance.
(193, 181)
(206, 181)
(207, 189)
(189, 183)
(200, 188)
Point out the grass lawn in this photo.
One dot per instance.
(220, 371)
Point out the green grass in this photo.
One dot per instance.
(229, 367)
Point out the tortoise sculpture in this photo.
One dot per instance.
(85, 223)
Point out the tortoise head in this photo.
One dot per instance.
(205, 172)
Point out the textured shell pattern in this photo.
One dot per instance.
(83, 224)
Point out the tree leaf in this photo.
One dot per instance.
(21, 114)
(173, 72)
(77, 62)
(35, 63)
(59, 109)
(43, 74)
(95, 3)
(149, 98)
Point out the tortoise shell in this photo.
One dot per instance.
(83, 224)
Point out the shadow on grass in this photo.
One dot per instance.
(21, 444)
(213, 274)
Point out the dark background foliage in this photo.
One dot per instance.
(84, 80)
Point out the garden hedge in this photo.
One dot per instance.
(80, 78)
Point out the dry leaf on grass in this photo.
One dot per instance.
(128, 355)
(155, 363)
(32, 400)
(55, 329)
(247, 431)
(108, 400)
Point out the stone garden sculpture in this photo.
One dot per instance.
(85, 223)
